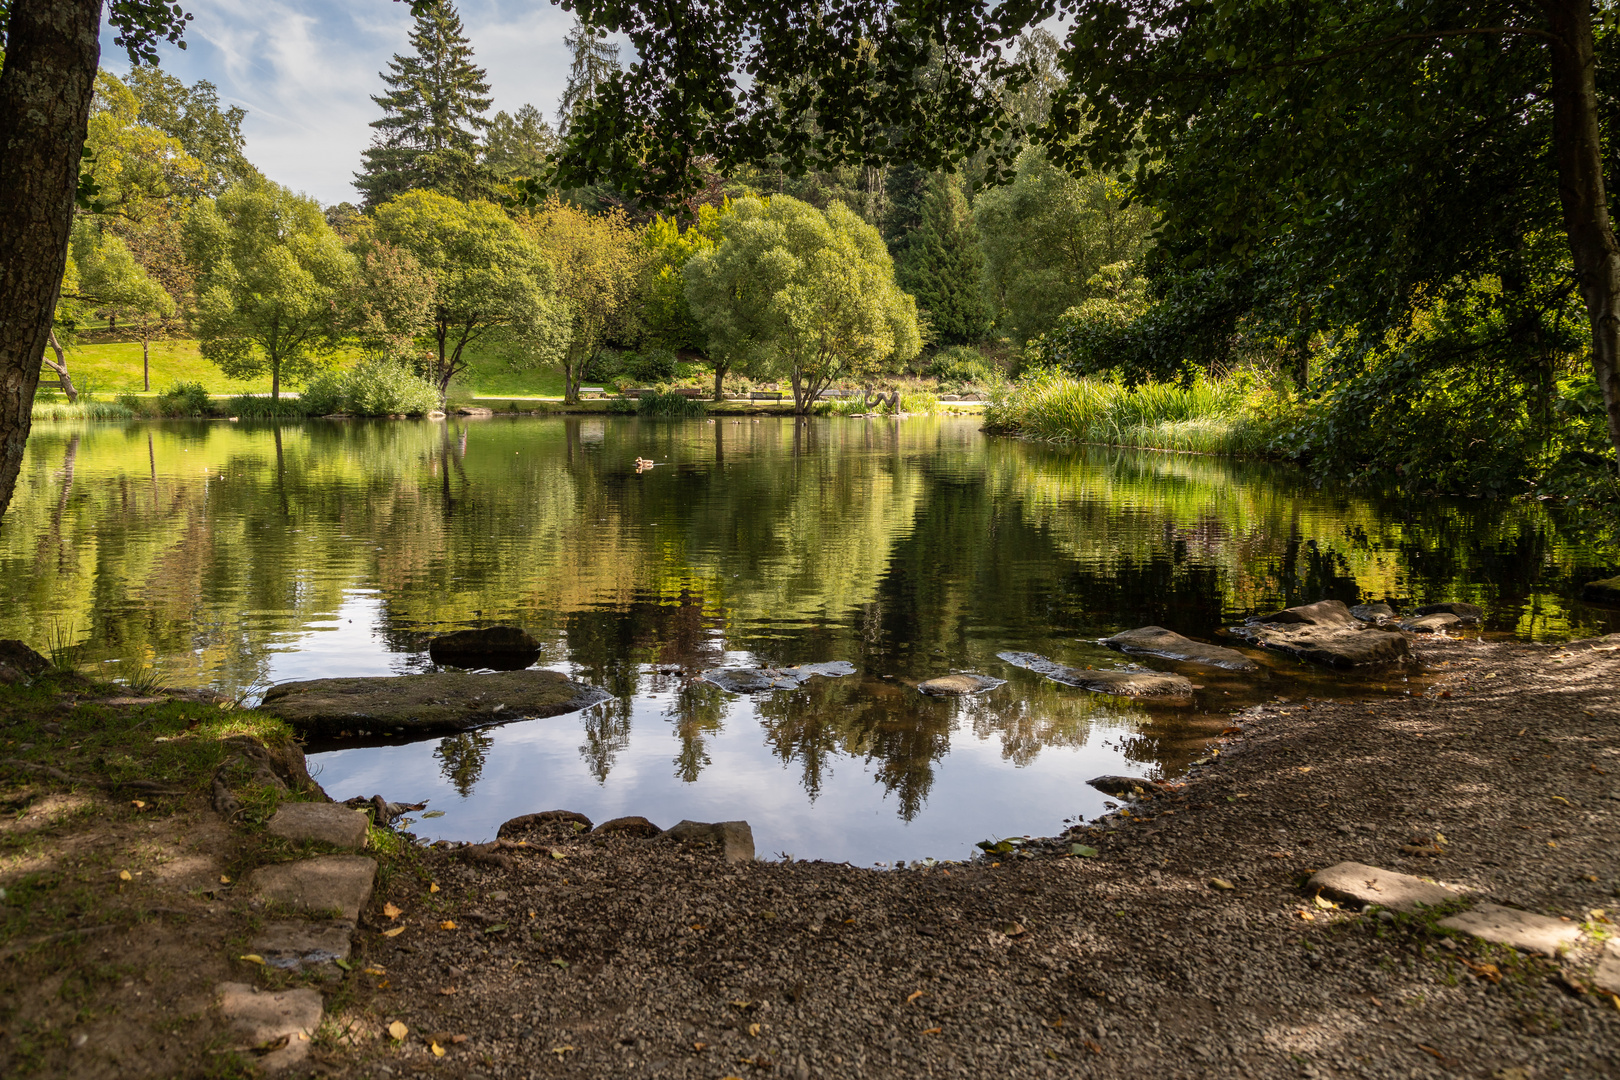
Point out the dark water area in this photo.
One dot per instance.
(234, 556)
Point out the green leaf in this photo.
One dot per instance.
(1084, 851)
(433, 813)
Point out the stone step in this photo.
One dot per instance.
(337, 885)
(277, 1027)
(1521, 929)
(1358, 883)
(326, 823)
(299, 945)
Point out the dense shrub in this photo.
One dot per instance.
(961, 365)
(184, 399)
(373, 387)
(665, 402)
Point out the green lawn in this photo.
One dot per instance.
(110, 368)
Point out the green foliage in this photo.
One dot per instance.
(664, 402)
(491, 285)
(593, 61)
(1048, 235)
(960, 366)
(667, 318)
(433, 111)
(941, 263)
(269, 271)
(518, 144)
(254, 407)
(372, 387)
(110, 279)
(185, 399)
(793, 290)
(192, 115)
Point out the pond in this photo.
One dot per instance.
(234, 556)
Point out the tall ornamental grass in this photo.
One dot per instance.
(1210, 416)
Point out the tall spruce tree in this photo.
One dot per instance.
(595, 59)
(433, 112)
(939, 261)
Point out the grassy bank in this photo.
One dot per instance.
(1210, 416)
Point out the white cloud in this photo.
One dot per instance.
(305, 71)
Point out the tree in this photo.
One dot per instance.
(191, 115)
(113, 282)
(594, 61)
(491, 283)
(269, 272)
(433, 112)
(1047, 234)
(46, 85)
(941, 263)
(799, 290)
(518, 144)
(666, 315)
(599, 261)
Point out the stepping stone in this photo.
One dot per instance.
(755, 680)
(544, 819)
(431, 702)
(326, 823)
(292, 943)
(1358, 883)
(261, 1021)
(1520, 929)
(1374, 613)
(1431, 623)
(1169, 645)
(953, 685)
(1607, 975)
(734, 838)
(1136, 682)
(323, 885)
(1465, 612)
(1325, 633)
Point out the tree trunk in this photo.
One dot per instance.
(1578, 150)
(720, 369)
(45, 88)
(275, 382)
(59, 365)
(146, 362)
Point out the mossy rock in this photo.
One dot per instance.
(437, 701)
(1606, 591)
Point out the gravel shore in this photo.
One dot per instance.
(1186, 947)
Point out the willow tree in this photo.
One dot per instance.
(805, 293)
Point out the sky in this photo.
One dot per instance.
(305, 71)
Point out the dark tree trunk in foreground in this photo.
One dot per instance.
(1578, 148)
(45, 90)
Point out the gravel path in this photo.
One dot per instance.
(580, 955)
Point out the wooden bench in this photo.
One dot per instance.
(764, 395)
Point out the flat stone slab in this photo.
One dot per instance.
(956, 685)
(734, 838)
(1169, 645)
(326, 823)
(1135, 682)
(1432, 623)
(756, 680)
(1465, 612)
(1607, 975)
(326, 884)
(1358, 883)
(278, 1026)
(290, 944)
(435, 701)
(1325, 633)
(1521, 929)
(1378, 612)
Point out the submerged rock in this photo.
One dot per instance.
(504, 648)
(1325, 633)
(1121, 785)
(1465, 612)
(1431, 623)
(1606, 591)
(1373, 613)
(1169, 645)
(953, 685)
(437, 701)
(734, 838)
(754, 680)
(1134, 682)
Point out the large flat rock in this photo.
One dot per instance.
(337, 885)
(1169, 645)
(436, 701)
(291, 944)
(755, 680)
(1134, 682)
(1325, 633)
(277, 1027)
(326, 823)
(1521, 929)
(959, 684)
(1358, 883)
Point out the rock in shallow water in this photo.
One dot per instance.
(1432, 623)
(1465, 612)
(1132, 683)
(437, 701)
(1373, 613)
(1169, 645)
(953, 685)
(754, 680)
(1121, 785)
(1325, 633)
(504, 648)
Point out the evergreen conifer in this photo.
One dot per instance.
(939, 260)
(433, 112)
(594, 61)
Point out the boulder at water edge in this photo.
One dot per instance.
(436, 701)
(1325, 633)
(1129, 682)
(1374, 613)
(18, 662)
(504, 648)
(1606, 591)
(1169, 645)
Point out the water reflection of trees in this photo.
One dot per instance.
(461, 759)
(698, 710)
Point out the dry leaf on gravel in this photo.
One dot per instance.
(448, 924)
(395, 932)
(391, 911)
(913, 996)
(398, 1030)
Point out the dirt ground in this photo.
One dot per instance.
(567, 954)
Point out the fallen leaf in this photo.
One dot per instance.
(1084, 851)
(561, 1050)
(342, 963)
(447, 991)
(1221, 883)
(252, 958)
(395, 932)
(560, 963)
(1324, 904)
(438, 1051)
(1305, 768)
(933, 1031)
(391, 911)
(398, 1030)
(913, 996)
(372, 969)
(123, 875)
(1443, 1059)
(224, 879)
(433, 886)
(1307, 916)
(448, 924)
(555, 854)
(700, 1046)
(753, 1031)
(137, 804)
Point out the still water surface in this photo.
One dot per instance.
(234, 556)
